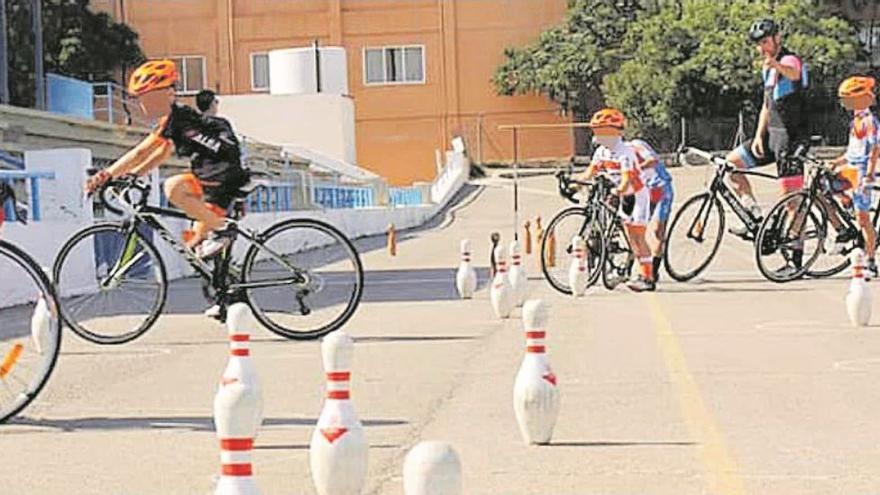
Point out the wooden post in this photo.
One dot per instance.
(539, 238)
(392, 240)
(528, 237)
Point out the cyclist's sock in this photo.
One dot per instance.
(647, 267)
(656, 261)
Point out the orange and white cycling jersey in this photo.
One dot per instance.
(618, 163)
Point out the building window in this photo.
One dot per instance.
(192, 76)
(394, 65)
(260, 71)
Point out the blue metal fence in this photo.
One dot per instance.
(405, 196)
(69, 96)
(34, 178)
(334, 196)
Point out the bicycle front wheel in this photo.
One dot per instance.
(556, 253)
(694, 237)
(791, 237)
(618, 260)
(304, 280)
(30, 330)
(111, 283)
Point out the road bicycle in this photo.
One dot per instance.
(302, 277)
(697, 227)
(596, 220)
(793, 240)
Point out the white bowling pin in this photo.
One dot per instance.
(535, 392)
(238, 407)
(466, 277)
(858, 299)
(338, 448)
(577, 270)
(432, 468)
(519, 282)
(41, 326)
(500, 294)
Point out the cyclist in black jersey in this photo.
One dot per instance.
(216, 173)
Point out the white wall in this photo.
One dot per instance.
(43, 240)
(323, 122)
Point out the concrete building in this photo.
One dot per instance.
(418, 70)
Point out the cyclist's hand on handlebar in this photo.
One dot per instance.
(97, 181)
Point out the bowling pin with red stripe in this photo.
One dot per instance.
(519, 282)
(466, 277)
(577, 270)
(338, 449)
(535, 392)
(858, 298)
(500, 294)
(238, 407)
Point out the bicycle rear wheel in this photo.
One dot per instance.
(308, 280)
(564, 226)
(693, 237)
(30, 330)
(791, 238)
(111, 283)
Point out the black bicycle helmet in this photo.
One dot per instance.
(761, 29)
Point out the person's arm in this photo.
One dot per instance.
(649, 162)
(838, 162)
(872, 164)
(156, 158)
(789, 67)
(763, 121)
(127, 162)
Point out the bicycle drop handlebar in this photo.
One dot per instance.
(130, 189)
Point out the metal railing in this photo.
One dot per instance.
(10, 176)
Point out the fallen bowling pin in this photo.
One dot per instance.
(466, 277)
(858, 299)
(535, 390)
(338, 448)
(519, 282)
(238, 407)
(432, 468)
(577, 270)
(500, 294)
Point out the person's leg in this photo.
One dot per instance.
(659, 218)
(184, 192)
(742, 159)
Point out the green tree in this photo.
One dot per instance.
(659, 60)
(567, 62)
(711, 68)
(77, 42)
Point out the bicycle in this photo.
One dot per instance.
(301, 277)
(597, 223)
(799, 223)
(702, 218)
(30, 329)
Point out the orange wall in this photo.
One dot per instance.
(398, 126)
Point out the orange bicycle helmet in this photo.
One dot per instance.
(608, 117)
(856, 86)
(155, 74)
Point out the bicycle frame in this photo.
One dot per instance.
(222, 271)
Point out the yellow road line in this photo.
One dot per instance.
(719, 464)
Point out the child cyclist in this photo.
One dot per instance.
(858, 164)
(659, 183)
(618, 159)
(216, 173)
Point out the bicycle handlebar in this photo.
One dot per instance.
(122, 187)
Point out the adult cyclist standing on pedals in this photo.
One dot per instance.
(216, 173)
(782, 124)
